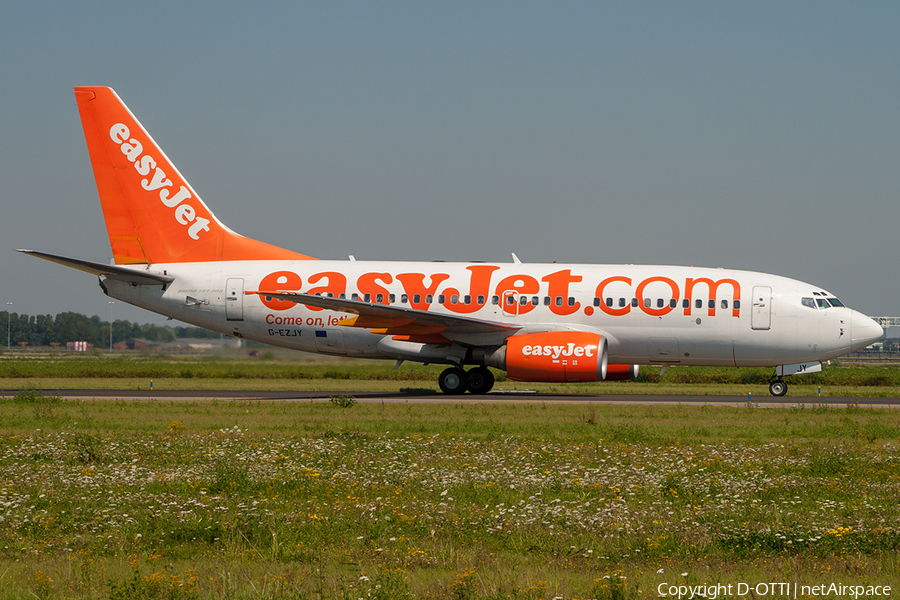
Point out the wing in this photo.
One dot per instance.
(128, 275)
(394, 320)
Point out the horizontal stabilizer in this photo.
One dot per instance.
(128, 275)
(380, 315)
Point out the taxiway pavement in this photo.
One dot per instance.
(498, 396)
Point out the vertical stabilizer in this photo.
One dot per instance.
(152, 213)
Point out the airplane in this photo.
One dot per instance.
(537, 321)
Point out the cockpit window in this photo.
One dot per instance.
(823, 303)
(835, 302)
(808, 302)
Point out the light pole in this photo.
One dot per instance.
(110, 324)
(8, 317)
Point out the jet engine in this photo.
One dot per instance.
(554, 356)
(558, 356)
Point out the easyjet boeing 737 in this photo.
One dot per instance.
(538, 322)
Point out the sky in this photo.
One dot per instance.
(760, 135)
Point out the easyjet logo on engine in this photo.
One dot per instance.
(559, 351)
(185, 214)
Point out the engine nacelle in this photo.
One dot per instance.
(622, 372)
(557, 356)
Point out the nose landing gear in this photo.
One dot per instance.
(778, 387)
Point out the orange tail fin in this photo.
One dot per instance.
(152, 213)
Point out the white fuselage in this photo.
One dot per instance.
(650, 314)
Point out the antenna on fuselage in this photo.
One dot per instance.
(516, 258)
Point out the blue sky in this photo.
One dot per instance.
(759, 136)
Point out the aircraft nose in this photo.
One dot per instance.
(864, 331)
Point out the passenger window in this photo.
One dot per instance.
(571, 301)
(634, 302)
(686, 303)
(417, 298)
(355, 297)
(404, 298)
(673, 303)
(523, 300)
(342, 296)
(480, 300)
(429, 299)
(379, 298)
(441, 299)
(698, 303)
(467, 300)
(559, 300)
(495, 300)
(609, 301)
(535, 300)
(596, 301)
(660, 303)
(737, 304)
(622, 302)
(510, 300)
(546, 300)
(367, 297)
(724, 303)
(454, 299)
(712, 304)
(646, 302)
(392, 298)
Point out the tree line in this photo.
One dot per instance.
(47, 330)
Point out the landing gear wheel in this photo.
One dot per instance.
(778, 388)
(479, 380)
(453, 381)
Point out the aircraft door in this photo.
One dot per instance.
(234, 299)
(761, 317)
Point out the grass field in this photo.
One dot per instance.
(207, 499)
(283, 371)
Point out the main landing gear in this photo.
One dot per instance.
(478, 380)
